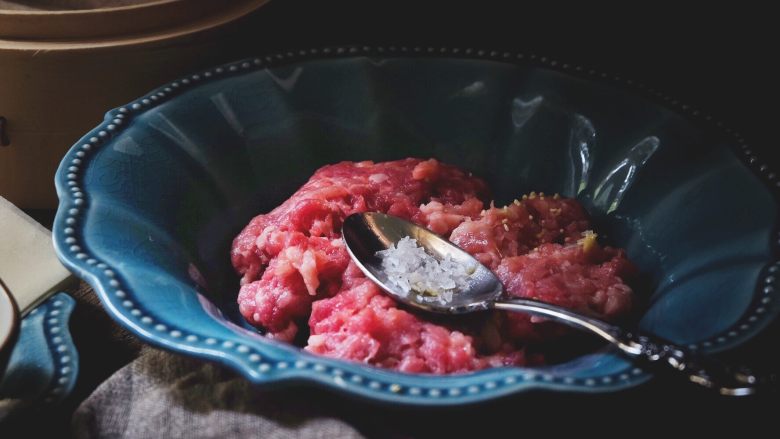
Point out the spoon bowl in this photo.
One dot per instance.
(365, 234)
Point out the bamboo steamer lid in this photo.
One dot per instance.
(61, 70)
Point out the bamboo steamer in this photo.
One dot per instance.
(60, 71)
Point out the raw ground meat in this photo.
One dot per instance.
(295, 268)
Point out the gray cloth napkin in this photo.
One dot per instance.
(161, 395)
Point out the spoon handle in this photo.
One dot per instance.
(697, 368)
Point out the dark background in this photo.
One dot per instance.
(719, 61)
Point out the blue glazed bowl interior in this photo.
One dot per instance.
(165, 184)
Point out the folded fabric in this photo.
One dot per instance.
(165, 395)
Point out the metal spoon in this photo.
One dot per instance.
(367, 233)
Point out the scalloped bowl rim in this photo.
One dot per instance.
(355, 379)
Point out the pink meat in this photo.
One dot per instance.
(362, 324)
(294, 267)
(519, 227)
(301, 238)
(587, 279)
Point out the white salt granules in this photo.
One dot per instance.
(410, 268)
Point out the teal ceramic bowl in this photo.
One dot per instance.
(151, 199)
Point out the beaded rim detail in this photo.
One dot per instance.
(65, 359)
(259, 366)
